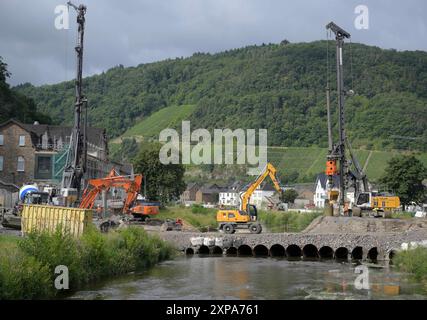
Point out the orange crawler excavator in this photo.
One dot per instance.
(131, 187)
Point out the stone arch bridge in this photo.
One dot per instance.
(359, 246)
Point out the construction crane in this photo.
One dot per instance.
(246, 216)
(131, 185)
(337, 151)
(75, 165)
(350, 172)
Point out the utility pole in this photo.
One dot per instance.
(75, 166)
(338, 151)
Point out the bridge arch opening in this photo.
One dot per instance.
(277, 250)
(392, 254)
(341, 253)
(310, 251)
(373, 254)
(357, 253)
(293, 251)
(260, 251)
(326, 252)
(203, 250)
(217, 250)
(189, 251)
(244, 250)
(232, 251)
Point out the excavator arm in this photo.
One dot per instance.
(96, 186)
(269, 170)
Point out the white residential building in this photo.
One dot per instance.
(259, 196)
(230, 196)
(320, 193)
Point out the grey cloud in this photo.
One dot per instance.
(134, 32)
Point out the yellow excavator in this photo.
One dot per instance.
(246, 216)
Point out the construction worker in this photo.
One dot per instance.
(99, 211)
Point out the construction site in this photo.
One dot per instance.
(342, 217)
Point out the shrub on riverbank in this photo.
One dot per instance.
(413, 261)
(279, 221)
(27, 269)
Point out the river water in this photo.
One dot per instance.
(213, 277)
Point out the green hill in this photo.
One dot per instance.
(299, 164)
(14, 104)
(296, 165)
(276, 86)
(169, 117)
(308, 162)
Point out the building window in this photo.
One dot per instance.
(1, 139)
(1, 163)
(21, 141)
(43, 167)
(45, 141)
(21, 164)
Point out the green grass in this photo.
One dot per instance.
(403, 215)
(27, 265)
(169, 117)
(278, 221)
(198, 217)
(275, 221)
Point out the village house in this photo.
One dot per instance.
(189, 194)
(259, 197)
(305, 196)
(208, 194)
(321, 193)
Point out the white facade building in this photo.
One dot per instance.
(229, 198)
(231, 195)
(320, 193)
(259, 196)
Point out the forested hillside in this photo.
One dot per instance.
(14, 104)
(277, 86)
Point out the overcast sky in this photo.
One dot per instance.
(131, 32)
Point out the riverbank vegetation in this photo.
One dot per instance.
(27, 265)
(278, 221)
(414, 261)
(204, 219)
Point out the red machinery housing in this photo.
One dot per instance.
(131, 187)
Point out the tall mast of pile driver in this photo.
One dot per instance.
(76, 159)
(338, 152)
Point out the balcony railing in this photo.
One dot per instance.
(54, 147)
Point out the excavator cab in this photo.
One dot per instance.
(253, 212)
(247, 215)
(364, 200)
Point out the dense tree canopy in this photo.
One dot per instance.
(289, 196)
(404, 176)
(14, 104)
(162, 182)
